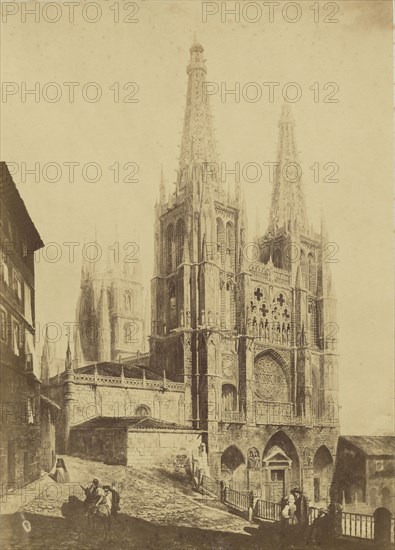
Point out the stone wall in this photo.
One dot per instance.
(381, 483)
(133, 448)
(107, 445)
(155, 448)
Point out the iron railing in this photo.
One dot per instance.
(358, 525)
(211, 486)
(238, 500)
(268, 510)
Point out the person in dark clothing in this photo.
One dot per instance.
(92, 494)
(302, 512)
(319, 532)
(115, 500)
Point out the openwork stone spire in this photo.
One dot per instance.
(198, 147)
(288, 208)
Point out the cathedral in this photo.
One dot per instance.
(242, 352)
(252, 341)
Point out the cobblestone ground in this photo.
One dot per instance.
(159, 510)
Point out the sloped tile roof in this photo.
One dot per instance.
(132, 422)
(372, 445)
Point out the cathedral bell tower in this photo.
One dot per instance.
(291, 244)
(198, 229)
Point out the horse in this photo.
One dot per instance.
(99, 517)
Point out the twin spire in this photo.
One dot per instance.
(199, 152)
(198, 145)
(288, 206)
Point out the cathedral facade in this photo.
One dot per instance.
(252, 340)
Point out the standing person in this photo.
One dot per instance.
(302, 511)
(115, 507)
(288, 522)
(61, 475)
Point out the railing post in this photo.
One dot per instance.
(225, 491)
(335, 520)
(251, 505)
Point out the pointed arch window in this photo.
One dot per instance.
(127, 300)
(229, 398)
(172, 305)
(303, 268)
(127, 333)
(312, 274)
(170, 249)
(278, 258)
(312, 318)
(230, 245)
(281, 320)
(220, 239)
(315, 395)
(180, 238)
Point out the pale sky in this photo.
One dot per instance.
(355, 133)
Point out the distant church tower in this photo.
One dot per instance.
(110, 312)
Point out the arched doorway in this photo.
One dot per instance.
(229, 402)
(233, 464)
(281, 467)
(323, 473)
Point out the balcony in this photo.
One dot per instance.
(233, 417)
(277, 413)
(326, 414)
(285, 414)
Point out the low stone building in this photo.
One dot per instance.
(113, 390)
(133, 441)
(364, 473)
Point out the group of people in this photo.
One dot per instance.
(102, 499)
(294, 522)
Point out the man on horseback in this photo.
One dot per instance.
(104, 504)
(92, 494)
(102, 511)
